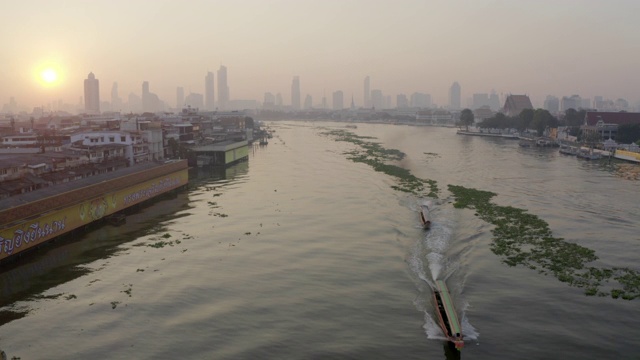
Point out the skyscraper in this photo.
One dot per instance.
(146, 100)
(308, 102)
(92, 94)
(116, 102)
(209, 98)
(223, 88)
(338, 100)
(402, 101)
(367, 92)
(179, 97)
(295, 93)
(454, 96)
(377, 99)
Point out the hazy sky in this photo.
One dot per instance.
(541, 47)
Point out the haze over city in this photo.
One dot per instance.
(537, 48)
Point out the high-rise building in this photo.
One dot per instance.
(572, 102)
(338, 100)
(308, 102)
(209, 98)
(179, 97)
(223, 88)
(146, 99)
(269, 101)
(116, 102)
(377, 99)
(92, 94)
(402, 101)
(295, 93)
(367, 92)
(494, 101)
(195, 100)
(480, 100)
(150, 101)
(552, 104)
(455, 96)
(420, 100)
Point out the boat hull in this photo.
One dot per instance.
(447, 318)
(424, 217)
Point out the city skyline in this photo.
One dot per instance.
(423, 50)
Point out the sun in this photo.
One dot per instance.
(49, 76)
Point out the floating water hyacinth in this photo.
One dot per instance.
(376, 156)
(520, 238)
(524, 239)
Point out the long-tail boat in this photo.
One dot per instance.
(447, 315)
(424, 216)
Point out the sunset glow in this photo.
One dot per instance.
(49, 76)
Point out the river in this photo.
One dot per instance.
(300, 253)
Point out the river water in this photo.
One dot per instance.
(300, 253)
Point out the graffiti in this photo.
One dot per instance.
(153, 190)
(32, 233)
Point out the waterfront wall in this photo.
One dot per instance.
(57, 215)
(627, 155)
(233, 155)
(23, 211)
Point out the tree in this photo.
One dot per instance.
(466, 118)
(526, 117)
(592, 138)
(628, 133)
(543, 119)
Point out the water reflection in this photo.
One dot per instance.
(62, 260)
(450, 351)
(201, 175)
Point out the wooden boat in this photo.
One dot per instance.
(446, 313)
(588, 154)
(525, 143)
(568, 150)
(424, 216)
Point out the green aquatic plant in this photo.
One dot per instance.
(379, 158)
(520, 238)
(524, 239)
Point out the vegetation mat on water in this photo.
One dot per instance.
(520, 238)
(376, 156)
(524, 239)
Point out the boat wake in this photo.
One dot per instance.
(430, 260)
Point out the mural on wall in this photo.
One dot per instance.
(57, 222)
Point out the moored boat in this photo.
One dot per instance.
(568, 150)
(525, 143)
(589, 154)
(447, 317)
(424, 216)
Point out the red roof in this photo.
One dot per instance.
(514, 104)
(618, 118)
